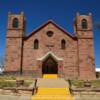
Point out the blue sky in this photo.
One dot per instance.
(38, 12)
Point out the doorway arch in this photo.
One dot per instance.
(50, 66)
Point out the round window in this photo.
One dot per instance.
(50, 33)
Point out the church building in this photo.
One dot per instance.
(50, 49)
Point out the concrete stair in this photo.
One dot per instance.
(52, 83)
(53, 94)
(52, 89)
(50, 76)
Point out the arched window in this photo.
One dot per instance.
(63, 44)
(84, 24)
(36, 44)
(15, 23)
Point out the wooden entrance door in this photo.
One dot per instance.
(50, 66)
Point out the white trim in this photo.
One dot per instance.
(50, 53)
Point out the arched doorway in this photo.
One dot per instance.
(49, 66)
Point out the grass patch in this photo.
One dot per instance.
(95, 83)
(80, 83)
(7, 78)
(4, 83)
(77, 83)
(10, 81)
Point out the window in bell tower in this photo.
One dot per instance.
(84, 24)
(15, 23)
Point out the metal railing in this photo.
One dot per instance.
(35, 88)
(70, 86)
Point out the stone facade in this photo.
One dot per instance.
(75, 61)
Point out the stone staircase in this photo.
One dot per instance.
(52, 88)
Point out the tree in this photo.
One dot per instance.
(2, 62)
(98, 25)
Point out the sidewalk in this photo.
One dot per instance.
(12, 97)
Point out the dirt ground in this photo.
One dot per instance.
(87, 97)
(16, 97)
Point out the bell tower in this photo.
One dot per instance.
(14, 42)
(83, 27)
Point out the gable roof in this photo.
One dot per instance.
(52, 22)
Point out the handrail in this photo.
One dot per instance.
(35, 87)
(70, 86)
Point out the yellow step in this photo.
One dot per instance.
(53, 91)
(52, 97)
(50, 76)
(52, 94)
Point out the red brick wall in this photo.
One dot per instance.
(30, 56)
(85, 48)
(14, 37)
(13, 54)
